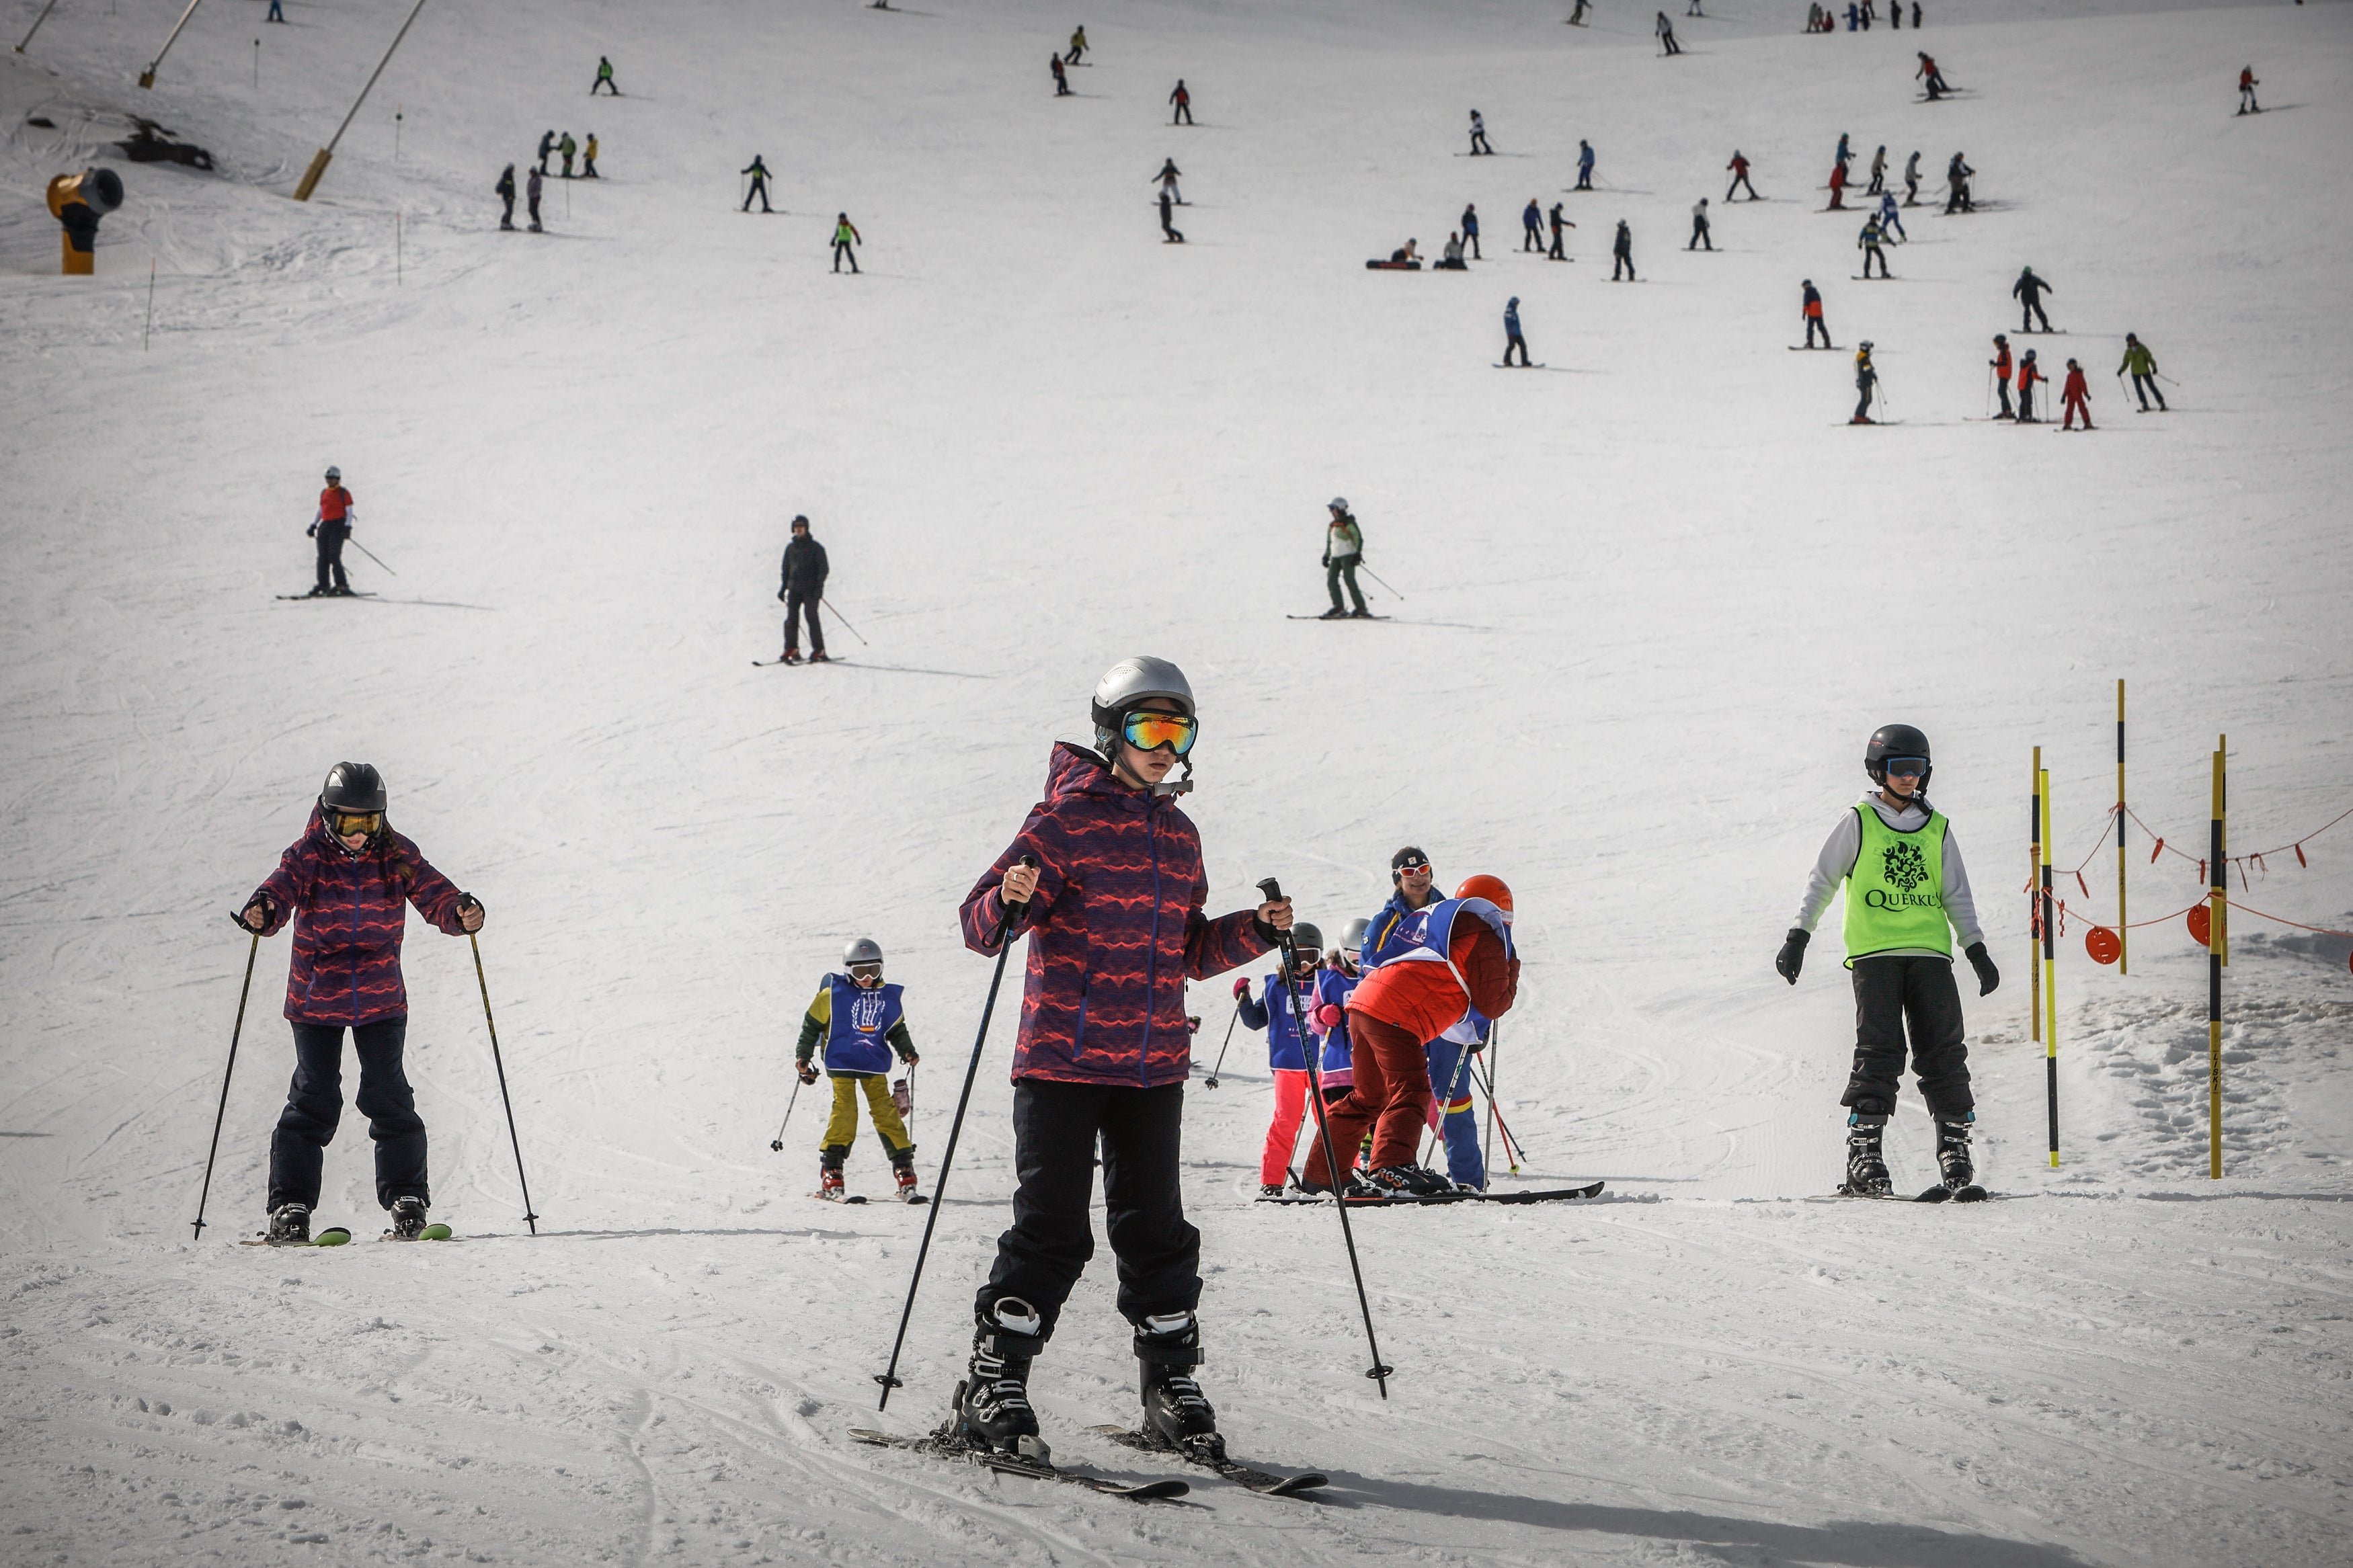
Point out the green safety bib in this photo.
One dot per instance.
(1895, 891)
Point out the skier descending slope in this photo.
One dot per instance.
(1866, 384)
(346, 878)
(801, 590)
(861, 1021)
(1113, 907)
(1906, 892)
(331, 527)
(1809, 306)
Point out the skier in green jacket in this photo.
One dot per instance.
(2143, 365)
(1343, 547)
(845, 237)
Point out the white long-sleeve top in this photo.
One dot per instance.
(1837, 858)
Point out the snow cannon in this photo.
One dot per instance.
(78, 202)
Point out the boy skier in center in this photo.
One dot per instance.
(1286, 1049)
(861, 1021)
(1113, 907)
(1906, 894)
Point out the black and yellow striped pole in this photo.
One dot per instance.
(2050, 952)
(2033, 856)
(2218, 953)
(2123, 922)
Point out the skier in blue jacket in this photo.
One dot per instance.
(1513, 340)
(1273, 1011)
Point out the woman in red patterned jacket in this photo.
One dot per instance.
(1113, 908)
(347, 878)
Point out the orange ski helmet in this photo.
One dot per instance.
(1491, 888)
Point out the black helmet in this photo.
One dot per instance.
(1896, 741)
(353, 787)
(1305, 938)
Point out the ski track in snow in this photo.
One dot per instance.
(1653, 607)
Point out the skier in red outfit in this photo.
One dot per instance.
(1838, 187)
(1444, 962)
(2075, 397)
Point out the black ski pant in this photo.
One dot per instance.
(1862, 401)
(607, 83)
(1621, 261)
(798, 603)
(1479, 143)
(1554, 253)
(506, 218)
(1471, 238)
(1871, 253)
(1585, 179)
(1055, 1128)
(2146, 386)
(2030, 310)
(1911, 190)
(842, 250)
(760, 189)
(1816, 324)
(1959, 200)
(2026, 400)
(1894, 996)
(1531, 238)
(1184, 115)
(1740, 182)
(2002, 387)
(534, 213)
(1338, 567)
(315, 1103)
(1699, 236)
(331, 559)
(1516, 344)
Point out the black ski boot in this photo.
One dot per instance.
(1953, 1154)
(1167, 1348)
(992, 1403)
(290, 1225)
(1866, 1168)
(1412, 1180)
(407, 1219)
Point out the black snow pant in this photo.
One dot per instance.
(1554, 253)
(1531, 239)
(1338, 567)
(1583, 179)
(1740, 181)
(1471, 238)
(1891, 997)
(1055, 1128)
(1871, 253)
(331, 559)
(1863, 390)
(506, 218)
(315, 1103)
(760, 189)
(1516, 344)
(2026, 400)
(2002, 387)
(1699, 236)
(1816, 324)
(1479, 143)
(1621, 261)
(1911, 190)
(535, 215)
(842, 250)
(607, 83)
(2030, 311)
(797, 604)
(2145, 385)
(1184, 115)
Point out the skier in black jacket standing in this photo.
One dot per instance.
(803, 590)
(506, 192)
(2029, 291)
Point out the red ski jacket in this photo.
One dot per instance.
(334, 504)
(346, 963)
(1116, 930)
(1423, 999)
(2075, 387)
(2001, 363)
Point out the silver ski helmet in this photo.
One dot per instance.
(865, 950)
(334, 475)
(1896, 740)
(1130, 684)
(1352, 935)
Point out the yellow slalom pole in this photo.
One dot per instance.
(2217, 954)
(2033, 856)
(2124, 924)
(2050, 951)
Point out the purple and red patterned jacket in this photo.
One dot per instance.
(346, 963)
(1116, 930)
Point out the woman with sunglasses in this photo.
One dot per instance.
(347, 878)
(1114, 910)
(1905, 886)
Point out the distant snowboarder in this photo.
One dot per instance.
(1513, 340)
(1078, 46)
(1584, 165)
(2030, 375)
(1183, 99)
(1868, 242)
(1577, 16)
(1167, 178)
(846, 241)
(802, 591)
(1866, 384)
(1471, 230)
(588, 158)
(1809, 305)
(759, 186)
(1450, 258)
(1908, 893)
(1169, 233)
(1958, 175)
(1558, 223)
(2247, 85)
(1739, 167)
(604, 79)
(1532, 228)
(1061, 77)
(1479, 148)
(530, 198)
(1666, 31)
(2143, 365)
(1699, 226)
(2001, 369)
(1622, 254)
(2028, 291)
(1344, 552)
(506, 192)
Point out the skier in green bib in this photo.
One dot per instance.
(1906, 894)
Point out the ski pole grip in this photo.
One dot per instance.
(1013, 912)
(1270, 889)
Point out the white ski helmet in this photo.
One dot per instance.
(334, 475)
(865, 950)
(1132, 682)
(1352, 935)
(1339, 503)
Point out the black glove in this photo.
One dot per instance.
(1327, 563)
(909, 1058)
(780, 595)
(808, 1072)
(1982, 962)
(312, 531)
(1792, 956)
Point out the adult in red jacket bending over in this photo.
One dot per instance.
(1114, 909)
(1461, 958)
(347, 878)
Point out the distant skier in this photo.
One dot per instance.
(331, 527)
(1584, 165)
(1061, 77)
(1169, 233)
(1866, 384)
(1558, 223)
(2001, 369)
(604, 79)
(846, 241)
(1286, 1049)
(1513, 342)
(802, 589)
(531, 199)
(2143, 365)
(1854, 17)
(2247, 85)
(1932, 76)
(1471, 230)
(1532, 228)
(1912, 180)
(1907, 892)
(588, 158)
(1845, 154)
(506, 192)
(1958, 175)
(1168, 176)
(1622, 254)
(1577, 16)
(1838, 187)
(861, 1022)
(1344, 552)
(1878, 171)
(1915, 12)
(2030, 375)
(2028, 291)
(1479, 147)
(1810, 307)
(759, 186)
(1739, 167)
(547, 148)
(1078, 45)
(1868, 242)
(1699, 226)
(567, 149)
(1183, 99)
(1666, 31)
(345, 883)
(1890, 219)
(2075, 397)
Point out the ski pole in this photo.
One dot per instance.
(1376, 577)
(1211, 1081)
(1989, 392)
(845, 621)
(371, 555)
(1271, 891)
(778, 1142)
(251, 952)
(489, 1023)
(1512, 1150)
(888, 1376)
(1453, 1084)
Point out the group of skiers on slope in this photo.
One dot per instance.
(549, 144)
(1821, 18)
(1057, 61)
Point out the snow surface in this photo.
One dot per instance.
(1658, 593)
